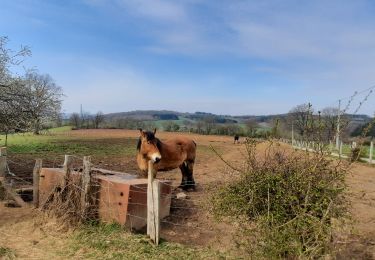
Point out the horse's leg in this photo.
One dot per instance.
(184, 170)
(190, 179)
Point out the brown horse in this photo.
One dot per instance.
(167, 155)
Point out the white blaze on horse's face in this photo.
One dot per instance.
(149, 147)
(155, 157)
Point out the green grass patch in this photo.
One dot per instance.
(110, 241)
(6, 253)
(76, 146)
(58, 142)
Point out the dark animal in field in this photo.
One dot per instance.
(177, 152)
(236, 139)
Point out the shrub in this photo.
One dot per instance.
(284, 202)
(355, 154)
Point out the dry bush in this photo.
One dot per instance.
(64, 204)
(284, 202)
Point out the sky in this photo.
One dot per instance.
(225, 57)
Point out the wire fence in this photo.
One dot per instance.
(345, 150)
(180, 208)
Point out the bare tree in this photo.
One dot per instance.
(251, 127)
(209, 124)
(98, 119)
(200, 124)
(75, 120)
(301, 117)
(329, 118)
(44, 99)
(9, 58)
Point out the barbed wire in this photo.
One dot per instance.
(362, 102)
(356, 93)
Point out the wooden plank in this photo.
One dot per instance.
(8, 189)
(86, 182)
(36, 176)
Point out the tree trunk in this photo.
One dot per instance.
(37, 127)
(6, 138)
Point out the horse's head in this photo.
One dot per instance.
(148, 146)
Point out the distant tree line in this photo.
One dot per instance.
(310, 124)
(86, 120)
(29, 101)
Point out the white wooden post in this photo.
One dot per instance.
(153, 201)
(36, 177)
(371, 150)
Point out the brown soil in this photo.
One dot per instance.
(189, 222)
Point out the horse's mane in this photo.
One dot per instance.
(150, 137)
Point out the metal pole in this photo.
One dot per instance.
(338, 127)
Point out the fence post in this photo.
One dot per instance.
(86, 185)
(36, 177)
(66, 168)
(371, 150)
(3, 161)
(153, 200)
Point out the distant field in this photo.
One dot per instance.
(62, 141)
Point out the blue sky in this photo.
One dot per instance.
(227, 57)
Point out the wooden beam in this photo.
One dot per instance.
(8, 189)
(67, 168)
(86, 185)
(36, 176)
(153, 204)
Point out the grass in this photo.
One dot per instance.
(110, 241)
(347, 150)
(58, 141)
(6, 253)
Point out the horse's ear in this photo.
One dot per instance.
(141, 132)
(154, 131)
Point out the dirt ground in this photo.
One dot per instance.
(19, 228)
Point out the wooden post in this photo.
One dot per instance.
(36, 176)
(371, 151)
(153, 200)
(66, 168)
(3, 161)
(86, 188)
